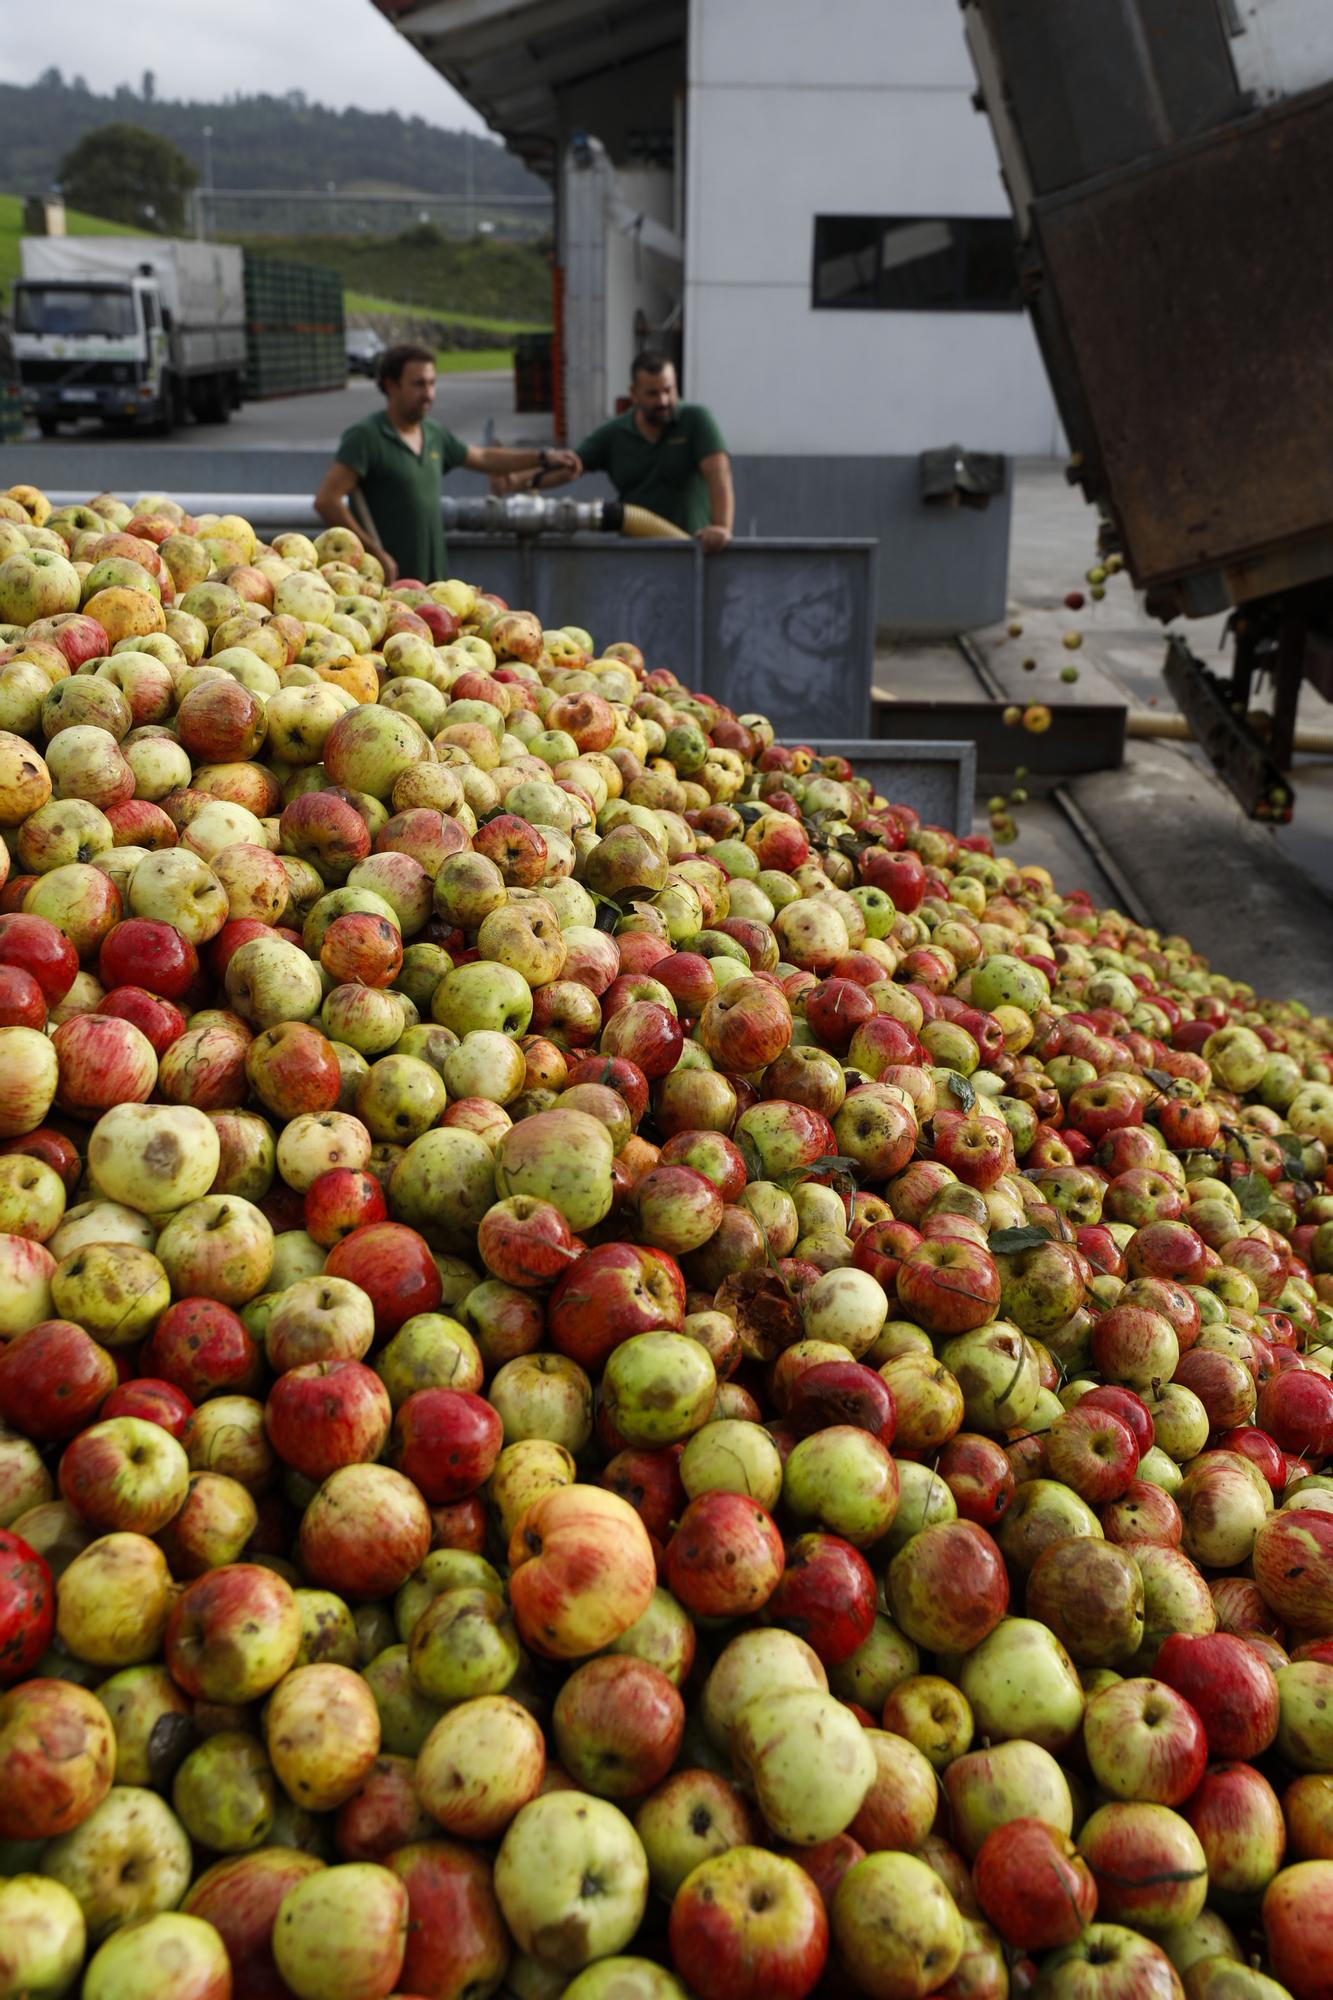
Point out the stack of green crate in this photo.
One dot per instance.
(295, 332)
(11, 412)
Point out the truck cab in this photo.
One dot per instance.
(93, 347)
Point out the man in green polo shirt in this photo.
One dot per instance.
(394, 463)
(662, 454)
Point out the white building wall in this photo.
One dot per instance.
(1282, 46)
(849, 107)
(637, 280)
(610, 277)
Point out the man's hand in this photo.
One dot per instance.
(564, 461)
(712, 539)
(385, 561)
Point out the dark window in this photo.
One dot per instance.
(915, 263)
(74, 310)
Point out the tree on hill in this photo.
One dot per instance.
(125, 174)
(261, 141)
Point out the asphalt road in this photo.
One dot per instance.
(467, 403)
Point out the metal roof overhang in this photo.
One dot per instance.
(537, 70)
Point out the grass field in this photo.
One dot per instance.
(472, 360)
(11, 229)
(369, 302)
(478, 283)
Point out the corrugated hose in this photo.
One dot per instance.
(642, 522)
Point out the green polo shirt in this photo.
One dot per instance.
(402, 490)
(661, 474)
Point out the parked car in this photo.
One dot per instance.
(364, 348)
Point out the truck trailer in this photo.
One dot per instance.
(140, 330)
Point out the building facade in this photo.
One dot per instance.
(802, 203)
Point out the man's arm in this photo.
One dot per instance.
(590, 455)
(716, 469)
(555, 466)
(543, 477)
(337, 485)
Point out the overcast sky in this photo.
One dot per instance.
(339, 52)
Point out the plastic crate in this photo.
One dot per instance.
(296, 337)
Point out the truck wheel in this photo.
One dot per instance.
(222, 401)
(48, 426)
(167, 413)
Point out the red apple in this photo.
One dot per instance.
(618, 1723)
(978, 1474)
(327, 1414)
(240, 1896)
(947, 1587)
(748, 1925)
(339, 1201)
(364, 1532)
(1237, 1818)
(393, 1266)
(612, 1292)
(456, 1938)
(1144, 1742)
(203, 1348)
(1234, 1693)
(826, 1595)
(525, 1242)
(57, 1758)
(1093, 1451)
(948, 1285)
(1298, 1924)
(53, 1379)
(1034, 1885)
(842, 1392)
(446, 1441)
(36, 946)
(154, 955)
(27, 1609)
(157, 1402)
(725, 1558)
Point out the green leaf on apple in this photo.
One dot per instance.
(1009, 1241)
(1254, 1194)
(840, 1167)
(961, 1088)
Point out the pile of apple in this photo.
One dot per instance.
(623, 1371)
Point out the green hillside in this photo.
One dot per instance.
(484, 283)
(11, 229)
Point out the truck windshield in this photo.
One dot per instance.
(74, 310)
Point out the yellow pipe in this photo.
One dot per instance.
(641, 521)
(1145, 722)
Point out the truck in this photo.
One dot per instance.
(1170, 172)
(139, 330)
